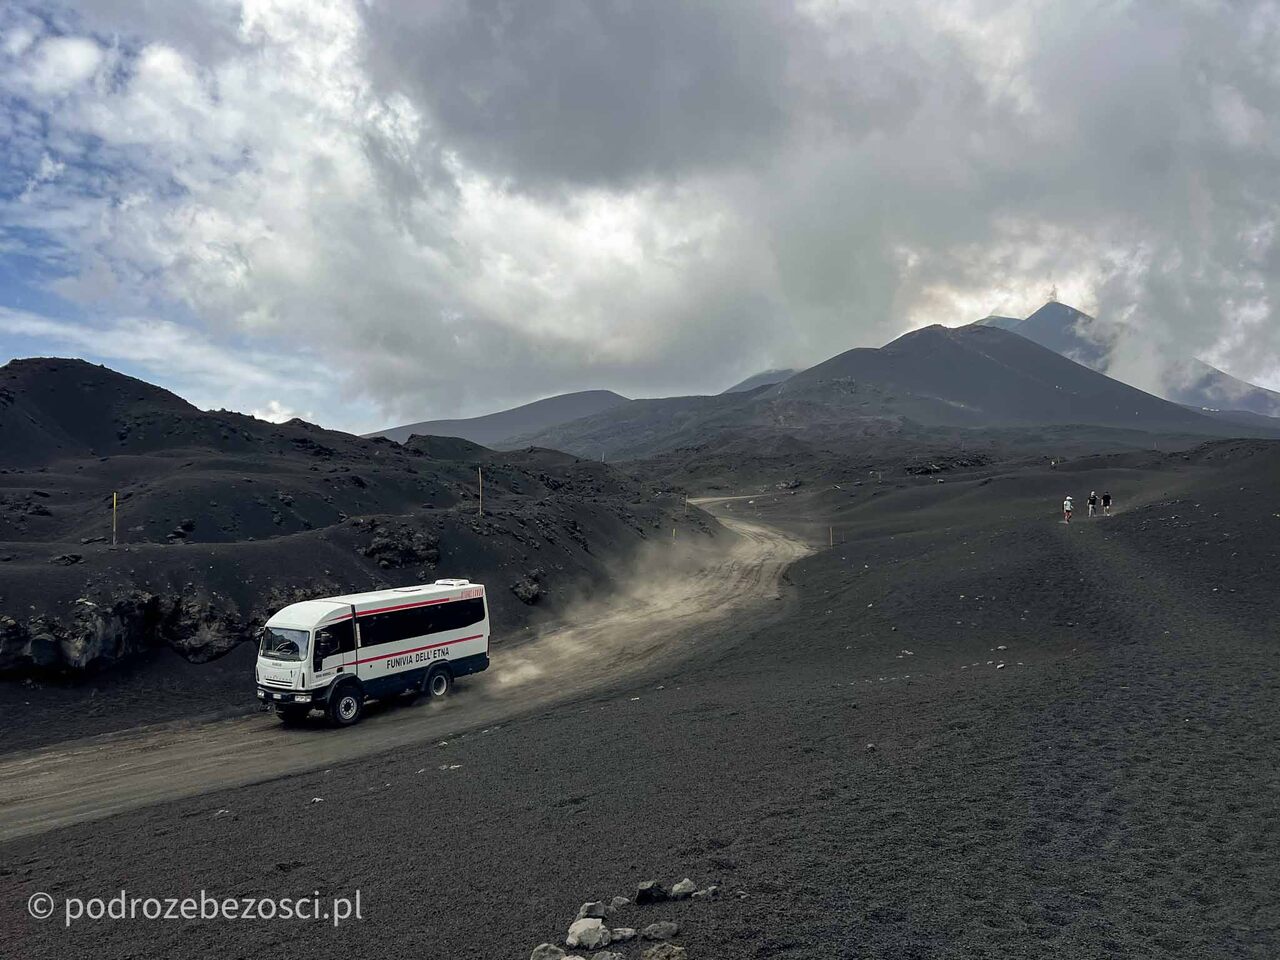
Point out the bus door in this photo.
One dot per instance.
(335, 648)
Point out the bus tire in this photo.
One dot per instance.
(439, 683)
(292, 716)
(346, 705)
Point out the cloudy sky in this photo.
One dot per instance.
(377, 211)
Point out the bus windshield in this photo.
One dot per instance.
(279, 643)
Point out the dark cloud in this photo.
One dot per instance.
(605, 94)
(478, 203)
(591, 93)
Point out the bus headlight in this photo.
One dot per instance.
(302, 698)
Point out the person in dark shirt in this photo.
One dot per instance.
(1093, 502)
(1106, 504)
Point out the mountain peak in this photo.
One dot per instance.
(58, 406)
(72, 380)
(1057, 311)
(937, 333)
(1187, 380)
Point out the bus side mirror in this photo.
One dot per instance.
(326, 646)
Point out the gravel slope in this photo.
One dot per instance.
(1110, 792)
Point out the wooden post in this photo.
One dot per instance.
(115, 502)
(480, 474)
(831, 537)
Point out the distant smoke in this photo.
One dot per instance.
(1143, 354)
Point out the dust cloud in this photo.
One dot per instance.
(672, 587)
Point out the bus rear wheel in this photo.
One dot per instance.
(346, 704)
(439, 683)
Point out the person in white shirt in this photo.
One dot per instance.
(1066, 510)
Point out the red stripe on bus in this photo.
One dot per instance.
(430, 646)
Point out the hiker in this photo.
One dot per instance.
(1106, 503)
(1066, 510)
(1093, 502)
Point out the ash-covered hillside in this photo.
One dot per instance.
(223, 518)
(495, 429)
(981, 376)
(928, 383)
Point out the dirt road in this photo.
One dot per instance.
(95, 778)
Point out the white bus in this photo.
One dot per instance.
(336, 653)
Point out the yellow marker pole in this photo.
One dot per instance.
(480, 474)
(831, 537)
(115, 500)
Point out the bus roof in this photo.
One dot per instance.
(312, 613)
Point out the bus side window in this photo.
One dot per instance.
(460, 614)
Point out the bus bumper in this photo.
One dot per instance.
(293, 698)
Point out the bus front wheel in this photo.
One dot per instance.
(346, 704)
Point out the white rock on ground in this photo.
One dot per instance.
(684, 889)
(596, 908)
(622, 934)
(546, 951)
(708, 894)
(662, 930)
(617, 903)
(607, 955)
(588, 932)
